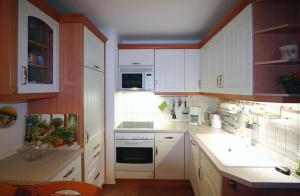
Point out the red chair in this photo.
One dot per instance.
(7, 190)
(51, 188)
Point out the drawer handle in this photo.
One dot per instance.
(96, 146)
(169, 138)
(97, 154)
(97, 176)
(136, 63)
(69, 172)
(96, 66)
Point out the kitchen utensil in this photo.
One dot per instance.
(185, 109)
(173, 110)
(179, 102)
(163, 106)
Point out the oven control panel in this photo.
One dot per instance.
(134, 136)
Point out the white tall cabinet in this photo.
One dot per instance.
(226, 60)
(93, 108)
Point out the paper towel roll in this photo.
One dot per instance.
(229, 106)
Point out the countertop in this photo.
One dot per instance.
(15, 170)
(255, 177)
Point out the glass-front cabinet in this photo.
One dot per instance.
(38, 42)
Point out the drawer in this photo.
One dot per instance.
(95, 142)
(71, 172)
(168, 137)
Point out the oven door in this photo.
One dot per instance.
(134, 155)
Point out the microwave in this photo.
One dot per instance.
(136, 78)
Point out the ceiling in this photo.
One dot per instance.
(151, 19)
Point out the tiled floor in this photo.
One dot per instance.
(148, 188)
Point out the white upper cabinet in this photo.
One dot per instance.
(226, 60)
(192, 70)
(93, 51)
(38, 50)
(169, 70)
(136, 57)
(238, 58)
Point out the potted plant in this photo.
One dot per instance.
(291, 82)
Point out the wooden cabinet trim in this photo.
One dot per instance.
(80, 18)
(45, 7)
(25, 97)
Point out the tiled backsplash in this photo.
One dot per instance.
(279, 133)
(143, 106)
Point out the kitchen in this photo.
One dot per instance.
(210, 113)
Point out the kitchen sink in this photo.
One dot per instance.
(231, 151)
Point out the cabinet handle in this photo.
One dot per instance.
(232, 183)
(25, 75)
(218, 86)
(97, 154)
(193, 143)
(97, 176)
(135, 63)
(169, 138)
(199, 84)
(156, 151)
(199, 173)
(155, 84)
(87, 137)
(69, 172)
(97, 146)
(96, 66)
(221, 81)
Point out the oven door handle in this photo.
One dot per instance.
(135, 142)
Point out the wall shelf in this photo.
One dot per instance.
(38, 44)
(285, 28)
(278, 62)
(38, 66)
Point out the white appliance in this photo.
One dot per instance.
(136, 78)
(216, 121)
(134, 154)
(195, 116)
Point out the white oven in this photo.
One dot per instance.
(134, 155)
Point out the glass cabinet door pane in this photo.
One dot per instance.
(40, 52)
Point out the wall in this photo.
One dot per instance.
(143, 106)
(280, 134)
(12, 138)
(111, 61)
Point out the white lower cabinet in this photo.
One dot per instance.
(205, 177)
(169, 156)
(195, 167)
(70, 173)
(94, 160)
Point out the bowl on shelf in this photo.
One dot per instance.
(290, 82)
(32, 152)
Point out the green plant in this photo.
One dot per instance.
(283, 79)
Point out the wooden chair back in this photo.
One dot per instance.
(51, 188)
(7, 190)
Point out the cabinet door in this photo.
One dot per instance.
(136, 57)
(212, 65)
(211, 180)
(38, 45)
(93, 102)
(169, 70)
(169, 160)
(192, 70)
(93, 51)
(237, 77)
(195, 168)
